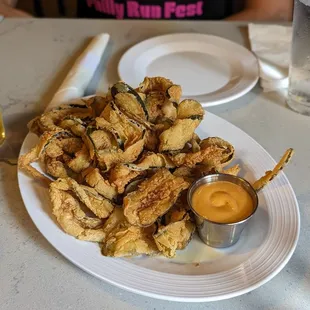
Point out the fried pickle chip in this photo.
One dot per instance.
(97, 103)
(169, 111)
(100, 184)
(188, 174)
(151, 140)
(49, 121)
(71, 145)
(176, 235)
(75, 125)
(222, 152)
(154, 84)
(108, 158)
(152, 160)
(123, 240)
(55, 168)
(174, 93)
(100, 206)
(121, 176)
(175, 138)
(127, 129)
(81, 160)
(154, 102)
(130, 105)
(270, 175)
(69, 214)
(101, 139)
(37, 152)
(190, 108)
(129, 101)
(154, 198)
(128, 241)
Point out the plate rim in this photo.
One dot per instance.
(212, 103)
(178, 298)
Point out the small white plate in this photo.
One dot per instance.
(198, 273)
(210, 69)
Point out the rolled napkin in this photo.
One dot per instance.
(272, 44)
(81, 73)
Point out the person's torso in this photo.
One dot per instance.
(158, 9)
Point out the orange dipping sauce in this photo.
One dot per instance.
(222, 202)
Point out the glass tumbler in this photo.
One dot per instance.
(299, 76)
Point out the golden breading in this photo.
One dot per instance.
(69, 214)
(55, 168)
(154, 102)
(152, 160)
(37, 152)
(190, 109)
(81, 160)
(100, 184)
(108, 158)
(123, 240)
(175, 138)
(222, 152)
(49, 120)
(174, 93)
(174, 236)
(154, 198)
(121, 175)
(154, 84)
(113, 119)
(99, 205)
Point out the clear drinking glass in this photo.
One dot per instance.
(299, 86)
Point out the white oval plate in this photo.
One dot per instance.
(211, 70)
(198, 273)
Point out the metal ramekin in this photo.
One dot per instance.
(221, 235)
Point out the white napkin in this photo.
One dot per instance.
(81, 73)
(271, 44)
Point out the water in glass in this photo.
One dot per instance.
(299, 88)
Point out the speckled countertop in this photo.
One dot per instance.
(35, 55)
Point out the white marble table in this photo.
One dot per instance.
(34, 58)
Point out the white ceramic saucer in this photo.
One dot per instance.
(210, 69)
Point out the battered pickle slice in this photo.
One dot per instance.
(176, 234)
(120, 176)
(100, 184)
(49, 121)
(152, 160)
(175, 138)
(158, 83)
(154, 198)
(113, 119)
(129, 101)
(221, 152)
(67, 208)
(81, 160)
(190, 108)
(124, 240)
(174, 93)
(38, 151)
(109, 158)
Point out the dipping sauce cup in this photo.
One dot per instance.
(221, 235)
